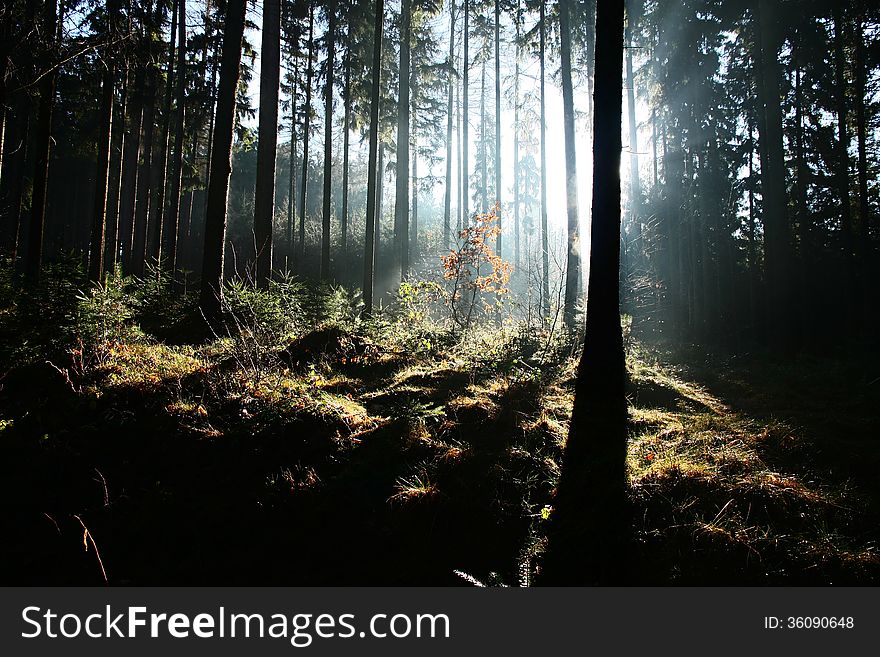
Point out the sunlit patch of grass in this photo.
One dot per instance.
(414, 488)
(139, 364)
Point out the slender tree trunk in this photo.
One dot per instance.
(516, 226)
(346, 128)
(145, 175)
(160, 165)
(573, 268)
(589, 524)
(450, 74)
(846, 223)
(465, 120)
(862, 129)
(264, 195)
(545, 247)
(498, 122)
(307, 124)
(635, 189)
(102, 168)
(42, 144)
(401, 197)
(459, 172)
(172, 218)
(111, 252)
(414, 247)
(372, 167)
(484, 144)
(328, 143)
(131, 172)
(291, 183)
(291, 198)
(15, 147)
(221, 164)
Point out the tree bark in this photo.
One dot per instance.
(587, 543)
(307, 120)
(172, 217)
(42, 144)
(545, 246)
(401, 197)
(447, 195)
(573, 260)
(211, 292)
(328, 144)
(372, 167)
(264, 194)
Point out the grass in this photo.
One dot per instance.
(341, 456)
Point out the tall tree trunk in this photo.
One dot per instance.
(545, 244)
(42, 143)
(573, 260)
(589, 524)
(635, 189)
(484, 144)
(172, 217)
(498, 122)
(401, 196)
(846, 223)
(777, 233)
(102, 165)
(160, 164)
(15, 147)
(307, 124)
(211, 292)
(414, 248)
(372, 167)
(264, 194)
(131, 172)
(447, 195)
(346, 128)
(291, 183)
(465, 121)
(516, 228)
(861, 73)
(145, 176)
(328, 143)
(111, 251)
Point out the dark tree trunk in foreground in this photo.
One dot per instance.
(777, 234)
(221, 162)
(588, 526)
(264, 195)
(42, 146)
(573, 259)
(401, 195)
(372, 168)
(328, 144)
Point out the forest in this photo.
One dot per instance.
(439, 292)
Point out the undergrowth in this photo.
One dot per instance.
(295, 442)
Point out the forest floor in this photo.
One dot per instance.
(346, 456)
